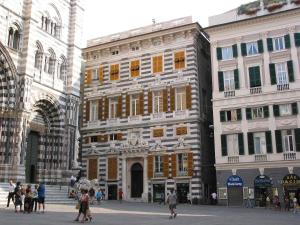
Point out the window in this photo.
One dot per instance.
(51, 27)
(257, 112)
(285, 110)
(232, 145)
(113, 104)
(134, 105)
(259, 143)
(63, 71)
(13, 38)
(254, 76)
(135, 48)
(38, 59)
(179, 60)
(288, 140)
(182, 162)
(51, 62)
(158, 132)
(95, 74)
(229, 84)
(135, 68)
(278, 43)
(158, 164)
(115, 52)
(281, 73)
(157, 101)
(252, 48)
(181, 131)
(94, 139)
(157, 64)
(180, 99)
(227, 53)
(231, 115)
(113, 137)
(94, 111)
(114, 72)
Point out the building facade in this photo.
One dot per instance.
(255, 70)
(40, 59)
(146, 112)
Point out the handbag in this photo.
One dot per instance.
(77, 206)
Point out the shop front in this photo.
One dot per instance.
(262, 189)
(158, 192)
(235, 190)
(182, 190)
(291, 186)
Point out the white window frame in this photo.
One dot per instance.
(278, 43)
(285, 110)
(259, 149)
(158, 101)
(182, 162)
(227, 53)
(252, 48)
(180, 95)
(95, 74)
(134, 100)
(282, 76)
(256, 112)
(288, 138)
(158, 164)
(113, 103)
(232, 144)
(229, 84)
(94, 111)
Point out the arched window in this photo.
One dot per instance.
(13, 37)
(63, 70)
(52, 61)
(38, 60)
(10, 37)
(16, 40)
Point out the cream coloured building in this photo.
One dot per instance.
(256, 95)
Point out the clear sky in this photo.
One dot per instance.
(105, 17)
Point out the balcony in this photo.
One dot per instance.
(289, 156)
(282, 87)
(255, 90)
(158, 116)
(228, 94)
(182, 173)
(136, 118)
(260, 158)
(93, 124)
(112, 120)
(233, 159)
(158, 175)
(180, 114)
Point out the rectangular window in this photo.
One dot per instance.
(227, 53)
(229, 84)
(115, 52)
(180, 99)
(135, 68)
(285, 110)
(134, 105)
(231, 115)
(114, 72)
(94, 139)
(157, 101)
(157, 64)
(182, 162)
(259, 143)
(113, 104)
(252, 48)
(232, 144)
(278, 43)
(281, 73)
(113, 137)
(179, 60)
(288, 140)
(94, 110)
(95, 74)
(257, 112)
(158, 133)
(158, 164)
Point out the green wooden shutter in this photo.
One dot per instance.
(269, 141)
(260, 46)
(221, 81)
(236, 79)
(254, 76)
(295, 108)
(250, 143)
(243, 49)
(276, 110)
(287, 41)
(224, 144)
(241, 144)
(272, 73)
(297, 139)
(266, 111)
(278, 141)
(290, 71)
(222, 116)
(297, 39)
(270, 44)
(234, 51)
(219, 53)
(239, 114)
(248, 114)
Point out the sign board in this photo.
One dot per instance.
(235, 181)
(263, 181)
(291, 180)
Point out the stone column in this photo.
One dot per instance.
(266, 60)
(145, 191)
(124, 181)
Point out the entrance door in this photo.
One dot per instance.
(235, 196)
(112, 192)
(93, 169)
(158, 192)
(136, 180)
(31, 157)
(182, 191)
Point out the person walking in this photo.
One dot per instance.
(99, 196)
(172, 201)
(120, 194)
(34, 198)
(83, 205)
(189, 198)
(18, 200)
(41, 196)
(295, 204)
(28, 200)
(286, 203)
(72, 181)
(214, 198)
(92, 195)
(11, 192)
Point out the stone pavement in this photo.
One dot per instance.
(114, 213)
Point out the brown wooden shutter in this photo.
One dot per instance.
(127, 105)
(99, 138)
(93, 169)
(189, 97)
(119, 109)
(100, 107)
(150, 166)
(88, 78)
(172, 99)
(87, 111)
(149, 102)
(159, 64)
(190, 164)
(165, 100)
(87, 140)
(106, 108)
(101, 74)
(119, 136)
(174, 164)
(141, 103)
(166, 165)
(105, 137)
(112, 168)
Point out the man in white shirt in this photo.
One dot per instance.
(11, 192)
(214, 198)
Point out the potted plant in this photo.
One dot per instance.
(250, 8)
(272, 5)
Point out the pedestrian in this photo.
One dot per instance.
(99, 196)
(103, 194)
(120, 194)
(92, 195)
(286, 203)
(295, 205)
(162, 198)
(18, 200)
(28, 200)
(189, 198)
(249, 203)
(214, 198)
(83, 205)
(41, 196)
(34, 198)
(172, 201)
(23, 192)
(268, 202)
(72, 181)
(11, 192)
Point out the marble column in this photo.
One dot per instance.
(145, 191)
(124, 181)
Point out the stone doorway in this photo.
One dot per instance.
(136, 180)
(31, 156)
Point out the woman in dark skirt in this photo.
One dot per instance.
(18, 200)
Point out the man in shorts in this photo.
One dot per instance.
(172, 201)
(41, 196)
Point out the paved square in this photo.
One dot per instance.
(114, 213)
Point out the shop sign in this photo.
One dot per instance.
(291, 179)
(263, 181)
(235, 181)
